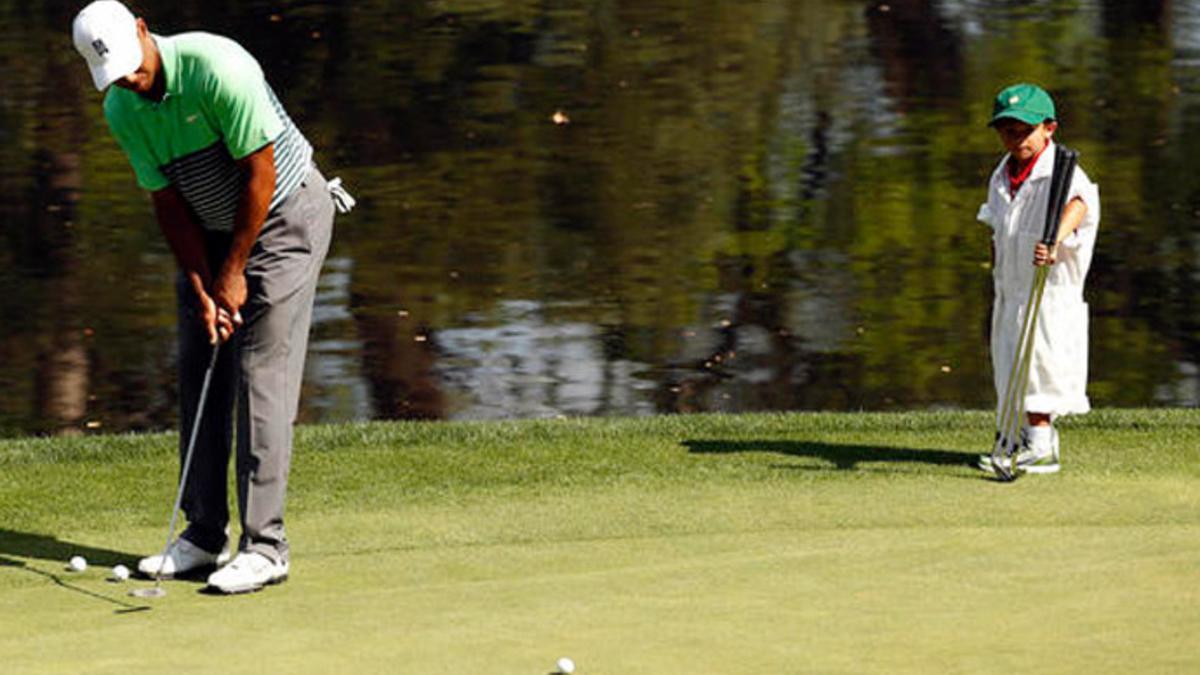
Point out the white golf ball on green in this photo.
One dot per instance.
(565, 665)
(120, 573)
(77, 563)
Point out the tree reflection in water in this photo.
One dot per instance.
(622, 208)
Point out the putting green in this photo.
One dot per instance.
(707, 544)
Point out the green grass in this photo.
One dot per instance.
(824, 543)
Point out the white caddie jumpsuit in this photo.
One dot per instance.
(1058, 373)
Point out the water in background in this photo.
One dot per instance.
(621, 208)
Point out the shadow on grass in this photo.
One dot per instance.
(123, 607)
(46, 547)
(841, 456)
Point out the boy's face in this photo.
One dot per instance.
(1024, 141)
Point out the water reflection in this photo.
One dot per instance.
(622, 208)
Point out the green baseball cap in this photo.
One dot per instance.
(1028, 103)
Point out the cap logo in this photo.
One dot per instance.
(100, 47)
(1013, 100)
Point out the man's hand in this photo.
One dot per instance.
(218, 323)
(229, 292)
(228, 296)
(1044, 255)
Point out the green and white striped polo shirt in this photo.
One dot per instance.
(218, 108)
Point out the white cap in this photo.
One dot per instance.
(105, 34)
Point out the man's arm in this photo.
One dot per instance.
(186, 239)
(229, 286)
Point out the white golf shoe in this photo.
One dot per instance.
(182, 557)
(249, 571)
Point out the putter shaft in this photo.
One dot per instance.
(187, 465)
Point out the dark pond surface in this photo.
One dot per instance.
(621, 208)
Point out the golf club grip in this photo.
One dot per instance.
(1065, 160)
(1056, 187)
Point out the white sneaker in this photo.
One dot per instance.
(1043, 455)
(249, 571)
(182, 556)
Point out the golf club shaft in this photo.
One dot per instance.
(1009, 416)
(1013, 406)
(1006, 411)
(1027, 359)
(187, 459)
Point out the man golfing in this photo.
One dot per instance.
(249, 220)
(1039, 356)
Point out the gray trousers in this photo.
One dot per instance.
(258, 370)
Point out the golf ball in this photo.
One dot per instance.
(565, 665)
(120, 573)
(77, 563)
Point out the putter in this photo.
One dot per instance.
(1008, 443)
(157, 591)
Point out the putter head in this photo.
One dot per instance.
(155, 591)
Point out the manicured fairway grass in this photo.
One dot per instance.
(704, 544)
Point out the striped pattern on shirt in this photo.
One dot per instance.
(211, 182)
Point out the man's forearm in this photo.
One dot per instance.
(184, 236)
(259, 169)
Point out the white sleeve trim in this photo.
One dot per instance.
(985, 215)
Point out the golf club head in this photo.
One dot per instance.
(1004, 464)
(1003, 473)
(151, 592)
